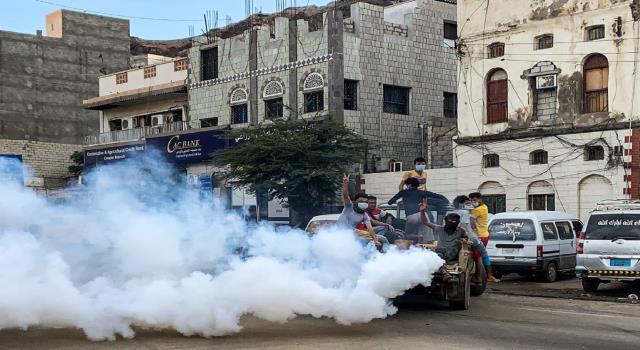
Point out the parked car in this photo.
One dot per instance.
(609, 246)
(541, 243)
(320, 221)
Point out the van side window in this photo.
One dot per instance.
(577, 226)
(565, 230)
(549, 231)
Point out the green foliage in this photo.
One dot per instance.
(294, 159)
(78, 159)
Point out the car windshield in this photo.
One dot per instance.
(612, 226)
(314, 226)
(512, 230)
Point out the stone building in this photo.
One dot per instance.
(43, 80)
(388, 73)
(548, 103)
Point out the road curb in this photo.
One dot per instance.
(550, 295)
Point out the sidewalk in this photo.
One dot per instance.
(567, 287)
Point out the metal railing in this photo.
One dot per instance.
(135, 133)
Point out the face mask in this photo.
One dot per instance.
(468, 207)
(451, 224)
(360, 207)
(476, 204)
(420, 167)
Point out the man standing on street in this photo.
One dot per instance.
(479, 217)
(419, 173)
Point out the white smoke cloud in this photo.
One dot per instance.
(137, 249)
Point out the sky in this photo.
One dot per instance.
(174, 16)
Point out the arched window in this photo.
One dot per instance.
(495, 50)
(596, 84)
(541, 196)
(272, 89)
(272, 96)
(239, 109)
(313, 93)
(594, 153)
(497, 96)
(491, 161)
(538, 157)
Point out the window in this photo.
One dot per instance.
(594, 153)
(595, 32)
(542, 202)
(544, 42)
(122, 78)
(115, 124)
(495, 50)
(239, 114)
(608, 227)
(450, 105)
(209, 63)
(149, 72)
(396, 99)
(272, 89)
(491, 160)
(450, 30)
(618, 151)
(512, 229)
(208, 122)
(180, 65)
(313, 87)
(273, 108)
(351, 95)
(497, 96)
(549, 231)
(596, 84)
(565, 230)
(497, 203)
(538, 157)
(314, 101)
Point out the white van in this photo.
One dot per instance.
(533, 242)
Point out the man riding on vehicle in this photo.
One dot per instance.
(354, 213)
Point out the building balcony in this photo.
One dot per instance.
(134, 134)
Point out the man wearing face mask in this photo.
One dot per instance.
(447, 239)
(480, 217)
(354, 213)
(419, 173)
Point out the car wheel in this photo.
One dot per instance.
(550, 274)
(590, 285)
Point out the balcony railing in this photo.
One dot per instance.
(135, 134)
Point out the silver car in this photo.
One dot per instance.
(609, 246)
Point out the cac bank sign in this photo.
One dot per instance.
(187, 147)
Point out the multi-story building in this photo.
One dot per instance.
(149, 99)
(548, 103)
(43, 81)
(389, 73)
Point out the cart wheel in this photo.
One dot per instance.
(464, 303)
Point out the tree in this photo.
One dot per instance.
(78, 163)
(296, 160)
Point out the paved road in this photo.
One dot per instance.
(494, 322)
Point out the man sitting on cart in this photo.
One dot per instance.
(354, 213)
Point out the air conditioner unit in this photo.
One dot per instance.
(396, 167)
(546, 81)
(157, 120)
(127, 123)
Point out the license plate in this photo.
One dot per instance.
(620, 262)
(509, 251)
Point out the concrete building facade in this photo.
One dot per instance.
(549, 103)
(43, 80)
(382, 71)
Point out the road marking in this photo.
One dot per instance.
(575, 313)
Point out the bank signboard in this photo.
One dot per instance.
(189, 147)
(111, 154)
